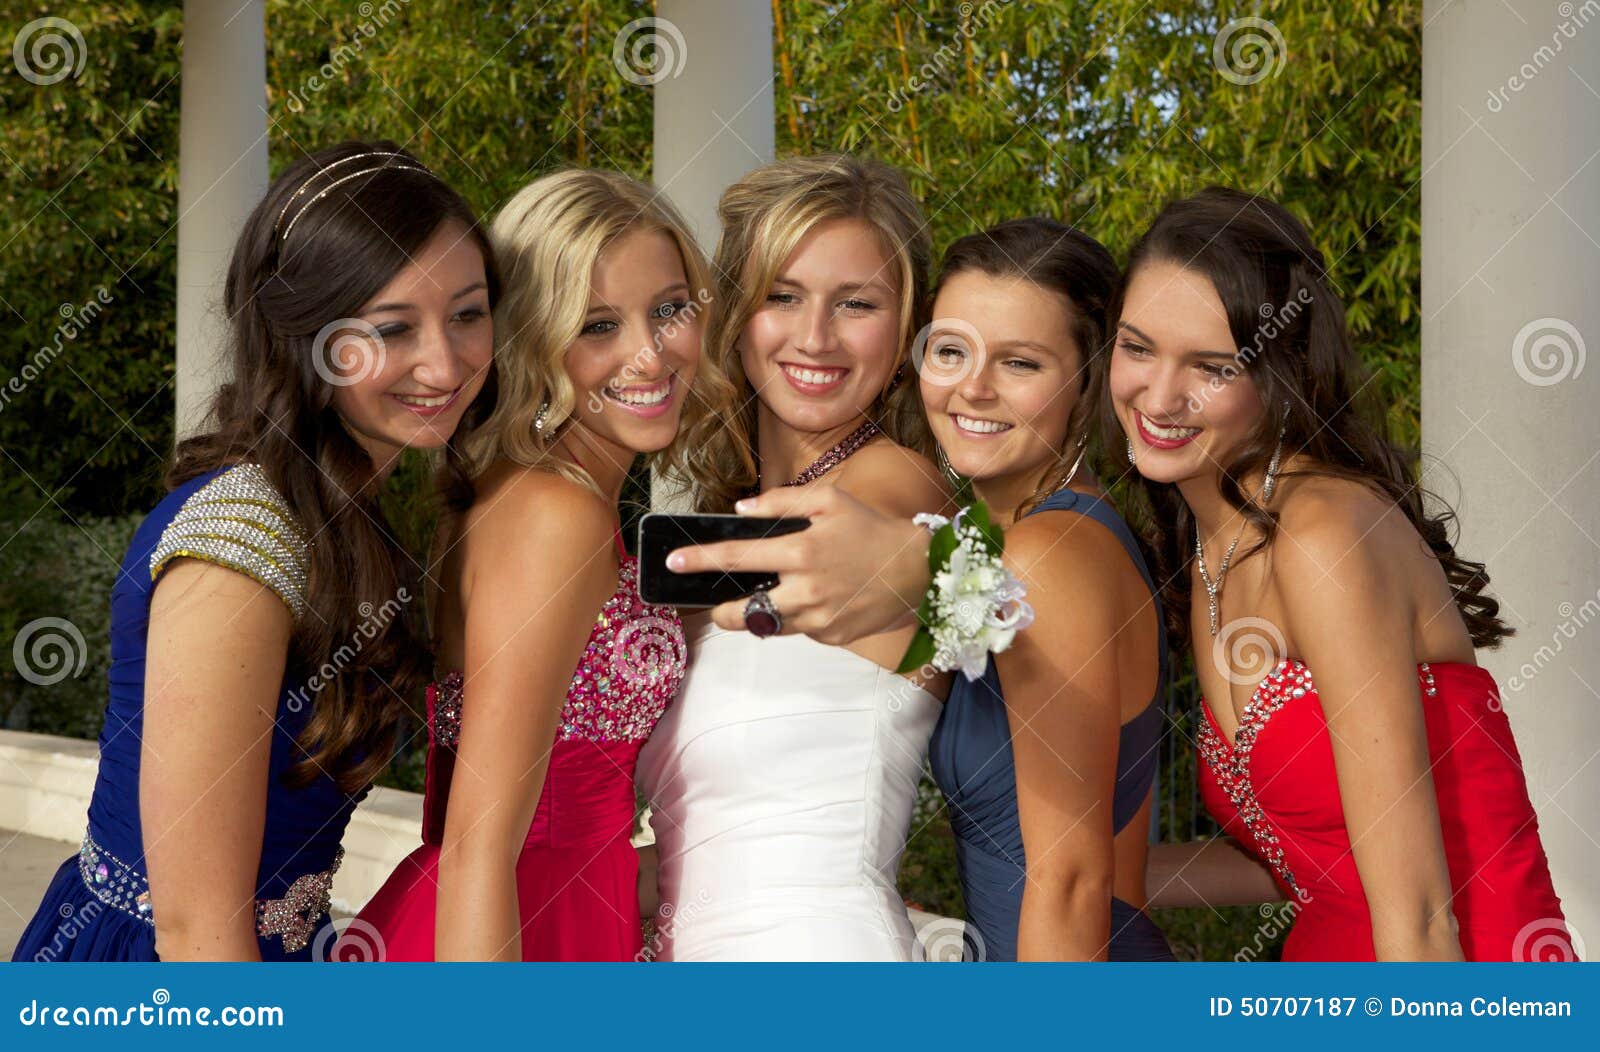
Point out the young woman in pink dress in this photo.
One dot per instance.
(1384, 795)
(554, 670)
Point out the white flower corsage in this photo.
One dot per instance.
(974, 607)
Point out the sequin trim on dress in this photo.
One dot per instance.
(630, 671)
(1289, 680)
(238, 520)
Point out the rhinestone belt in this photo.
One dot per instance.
(294, 917)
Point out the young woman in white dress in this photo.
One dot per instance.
(782, 781)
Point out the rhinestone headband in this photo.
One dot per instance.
(408, 165)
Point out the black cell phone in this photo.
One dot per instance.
(661, 534)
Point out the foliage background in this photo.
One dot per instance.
(1095, 111)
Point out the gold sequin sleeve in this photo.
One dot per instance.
(239, 520)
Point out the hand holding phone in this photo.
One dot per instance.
(660, 534)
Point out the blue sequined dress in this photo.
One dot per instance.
(98, 906)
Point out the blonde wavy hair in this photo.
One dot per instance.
(546, 241)
(764, 217)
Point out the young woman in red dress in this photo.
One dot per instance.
(1385, 794)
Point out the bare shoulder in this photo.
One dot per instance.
(1071, 560)
(1337, 535)
(530, 511)
(895, 480)
(1060, 542)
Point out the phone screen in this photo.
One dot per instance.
(661, 534)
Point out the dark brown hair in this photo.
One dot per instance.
(1264, 265)
(277, 411)
(1066, 261)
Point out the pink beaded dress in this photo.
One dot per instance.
(577, 876)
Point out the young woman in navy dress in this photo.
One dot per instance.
(1048, 760)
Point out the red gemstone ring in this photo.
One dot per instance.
(761, 617)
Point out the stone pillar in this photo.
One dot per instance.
(1510, 262)
(222, 173)
(713, 110)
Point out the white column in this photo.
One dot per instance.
(1510, 264)
(222, 173)
(713, 111)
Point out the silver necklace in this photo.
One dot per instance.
(1214, 588)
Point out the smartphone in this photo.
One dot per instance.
(661, 534)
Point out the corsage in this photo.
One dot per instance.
(974, 606)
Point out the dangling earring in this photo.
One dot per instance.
(945, 466)
(1131, 461)
(1271, 479)
(541, 417)
(1083, 446)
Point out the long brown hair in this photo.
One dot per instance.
(1070, 263)
(1290, 328)
(277, 411)
(764, 216)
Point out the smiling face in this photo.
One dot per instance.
(820, 349)
(418, 351)
(1000, 376)
(637, 353)
(1175, 383)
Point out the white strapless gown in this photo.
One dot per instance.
(781, 783)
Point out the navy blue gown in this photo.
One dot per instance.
(98, 906)
(972, 762)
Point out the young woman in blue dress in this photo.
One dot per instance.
(264, 639)
(1048, 760)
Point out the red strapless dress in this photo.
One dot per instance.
(1275, 791)
(577, 876)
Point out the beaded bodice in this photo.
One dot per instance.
(1276, 789)
(1229, 765)
(630, 671)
